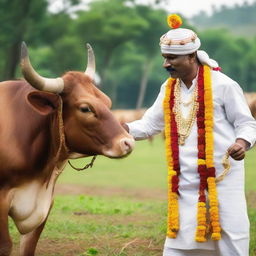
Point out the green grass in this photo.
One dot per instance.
(73, 209)
(250, 185)
(87, 220)
(250, 170)
(123, 212)
(144, 168)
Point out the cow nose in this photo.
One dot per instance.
(126, 145)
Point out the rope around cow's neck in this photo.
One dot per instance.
(63, 141)
(61, 132)
(86, 167)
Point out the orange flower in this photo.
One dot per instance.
(174, 21)
(201, 220)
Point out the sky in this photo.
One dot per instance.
(187, 8)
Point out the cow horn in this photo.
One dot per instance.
(90, 70)
(55, 85)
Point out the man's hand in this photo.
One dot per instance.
(238, 149)
(125, 126)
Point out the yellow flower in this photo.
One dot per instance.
(200, 239)
(216, 236)
(171, 234)
(201, 162)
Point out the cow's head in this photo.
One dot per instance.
(90, 127)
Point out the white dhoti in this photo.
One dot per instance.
(233, 219)
(177, 252)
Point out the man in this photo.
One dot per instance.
(205, 117)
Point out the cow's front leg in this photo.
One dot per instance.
(5, 239)
(29, 241)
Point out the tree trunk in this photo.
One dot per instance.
(111, 88)
(12, 55)
(144, 81)
(106, 64)
(12, 60)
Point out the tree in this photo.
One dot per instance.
(15, 18)
(108, 25)
(147, 43)
(248, 69)
(234, 55)
(28, 20)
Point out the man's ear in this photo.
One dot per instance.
(44, 103)
(193, 55)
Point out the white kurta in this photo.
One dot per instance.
(232, 119)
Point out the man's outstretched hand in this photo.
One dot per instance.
(238, 149)
(125, 126)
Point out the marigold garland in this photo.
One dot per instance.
(213, 198)
(202, 169)
(206, 167)
(172, 154)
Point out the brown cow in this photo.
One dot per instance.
(43, 122)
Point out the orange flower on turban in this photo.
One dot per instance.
(174, 21)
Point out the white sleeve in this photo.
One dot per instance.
(238, 113)
(152, 121)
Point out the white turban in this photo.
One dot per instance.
(182, 41)
(204, 59)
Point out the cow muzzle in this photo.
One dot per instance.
(126, 145)
(121, 148)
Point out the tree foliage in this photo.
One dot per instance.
(236, 15)
(125, 36)
(17, 19)
(240, 19)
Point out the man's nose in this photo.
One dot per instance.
(167, 63)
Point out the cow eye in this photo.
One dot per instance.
(85, 109)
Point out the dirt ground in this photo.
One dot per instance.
(66, 189)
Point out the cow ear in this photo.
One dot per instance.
(44, 103)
